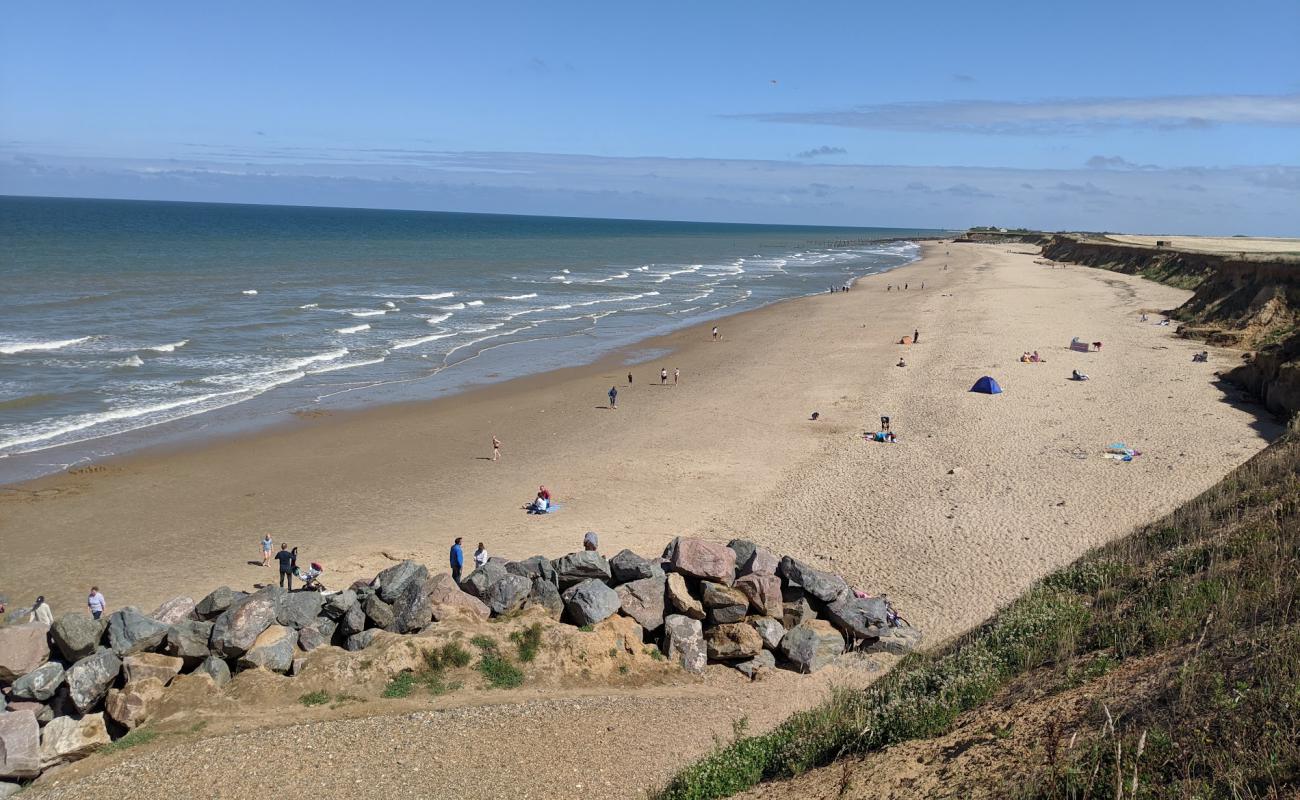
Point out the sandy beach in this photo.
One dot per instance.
(980, 496)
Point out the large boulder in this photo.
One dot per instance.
(763, 592)
(628, 566)
(273, 649)
(895, 641)
(445, 593)
(824, 586)
(478, 582)
(534, 567)
(23, 648)
(89, 678)
(709, 561)
(680, 599)
(129, 631)
(39, 684)
(215, 668)
(732, 641)
(508, 594)
(174, 610)
(724, 603)
(217, 603)
(859, 617)
(812, 645)
(43, 712)
(338, 604)
(744, 550)
(76, 635)
(644, 600)
(795, 612)
(545, 595)
(393, 581)
(134, 703)
(761, 562)
(354, 621)
(151, 665)
(240, 624)
(684, 642)
(412, 610)
(379, 613)
(581, 566)
(68, 739)
(20, 745)
(188, 640)
(318, 634)
(771, 631)
(297, 609)
(590, 602)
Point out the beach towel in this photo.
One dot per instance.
(550, 509)
(1078, 346)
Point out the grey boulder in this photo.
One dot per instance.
(725, 604)
(796, 612)
(188, 639)
(859, 617)
(354, 621)
(508, 594)
(812, 645)
(824, 586)
(39, 684)
(684, 642)
(77, 635)
(129, 631)
(478, 582)
(581, 566)
(628, 566)
(273, 649)
(644, 600)
(216, 603)
(744, 550)
(20, 745)
(217, 669)
(362, 640)
(533, 567)
(240, 624)
(895, 641)
(89, 679)
(412, 610)
(770, 630)
(763, 661)
(543, 594)
(174, 610)
(297, 609)
(590, 602)
(317, 634)
(337, 604)
(393, 581)
(379, 613)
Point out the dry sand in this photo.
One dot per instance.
(1215, 244)
(729, 452)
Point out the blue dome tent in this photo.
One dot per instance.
(986, 385)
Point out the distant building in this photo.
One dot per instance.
(1163, 243)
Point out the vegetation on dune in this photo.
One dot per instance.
(1213, 587)
(431, 674)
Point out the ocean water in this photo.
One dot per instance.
(124, 323)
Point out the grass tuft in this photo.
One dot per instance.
(528, 641)
(317, 698)
(134, 738)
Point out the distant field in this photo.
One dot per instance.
(1215, 244)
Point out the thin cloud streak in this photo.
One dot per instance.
(1047, 117)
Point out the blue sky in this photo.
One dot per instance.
(1084, 115)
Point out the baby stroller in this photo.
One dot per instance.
(311, 577)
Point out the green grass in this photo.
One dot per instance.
(1214, 586)
(402, 685)
(499, 672)
(587, 628)
(528, 642)
(134, 738)
(431, 675)
(317, 698)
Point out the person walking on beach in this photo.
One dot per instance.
(716, 335)
(268, 544)
(286, 559)
(613, 397)
(629, 378)
(916, 335)
(480, 555)
(496, 448)
(41, 612)
(677, 374)
(95, 602)
(663, 375)
(905, 285)
(457, 560)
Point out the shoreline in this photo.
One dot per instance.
(228, 422)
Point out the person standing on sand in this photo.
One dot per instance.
(268, 544)
(613, 397)
(629, 379)
(480, 555)
(457, 560)
(916, 335)
(286, 566)
(716, 335)
(41, 612)
(496, 448)
(677, 374)
(905, 285)
(663, 375)
(96, 602)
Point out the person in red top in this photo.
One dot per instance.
(544, 493)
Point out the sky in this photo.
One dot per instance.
(1143, 115)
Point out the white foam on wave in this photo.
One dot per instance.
(439, 318)
(10, 348)
(390, 304)
(485, 328)
(565, 271)
(664, 279)
(474, 303)
(249, 291)
(562, 307)
(309, 305)
(525, 311)
(168, 348)
(529, 296)
(349, 365)
(133, 361)
(354, 329)
(557, 277)
(452, 307)
(419, 340)
(376, 313)
(436, 296)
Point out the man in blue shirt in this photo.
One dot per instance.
(457, 560)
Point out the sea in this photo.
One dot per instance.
(130, 323)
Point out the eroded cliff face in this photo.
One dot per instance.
(1238, 302)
